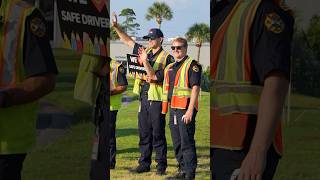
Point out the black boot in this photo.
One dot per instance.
(161, 170)
(178, 175)
(141, 169)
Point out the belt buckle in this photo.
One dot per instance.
(142, 82)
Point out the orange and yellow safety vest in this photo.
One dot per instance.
(233, 97)
(181, 90)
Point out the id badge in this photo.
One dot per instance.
(175, 119)
(139, 110)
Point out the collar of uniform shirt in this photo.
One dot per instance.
(179, 61)
(151, 55)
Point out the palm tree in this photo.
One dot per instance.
(129, 24)
(159, 11)
(199, 33)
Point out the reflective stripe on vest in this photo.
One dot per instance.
(231, 89)
(181, 91)
(115, 100)
(11, 43)
(17, 123)
(155, 90)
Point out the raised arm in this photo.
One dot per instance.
(123, 36)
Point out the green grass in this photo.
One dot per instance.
(301, 141)
(69, 157)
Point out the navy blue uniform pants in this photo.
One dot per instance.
(151, 124)
(224, 162)
(11, 166)
(112, 140)
(183, 140)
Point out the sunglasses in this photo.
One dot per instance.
(152, 38)
(176, 47)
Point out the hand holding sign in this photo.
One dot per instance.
(142, 55)
(114, 19)
(135, 66)
(148, 79)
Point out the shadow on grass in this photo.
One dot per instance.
(83, 114)
(129, 150)
(126, 132)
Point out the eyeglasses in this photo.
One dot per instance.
(176, 47)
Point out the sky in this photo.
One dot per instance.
(185, 14)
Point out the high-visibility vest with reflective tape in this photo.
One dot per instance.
(181, 92)
(115, 100)
(155, 90)
(17, 123)
(232, 91)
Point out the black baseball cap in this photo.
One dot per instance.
(154, 33)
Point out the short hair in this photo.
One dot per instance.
(181, 40)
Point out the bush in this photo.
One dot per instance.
(205, 80)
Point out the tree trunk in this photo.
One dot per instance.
(159, 21)
(198, 55)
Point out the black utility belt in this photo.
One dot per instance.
(144, 93)
(143, 82)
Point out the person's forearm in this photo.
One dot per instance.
(124, 37)
(118, 90)
(150, 72)
(269, 112)
(31, 89)
(194, 96)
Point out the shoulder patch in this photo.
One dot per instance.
(274, 23)
(195, 68)
(121, 70)
(38, 27)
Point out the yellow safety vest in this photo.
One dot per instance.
(87, 85)
(155, 90)
(181, 91)
(115, 100)
(17, 123)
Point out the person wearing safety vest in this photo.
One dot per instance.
(151, 123)
(181, 87)
(27, 72)
(250, 72)
(118, 85)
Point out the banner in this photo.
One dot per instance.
(136, 68)
(85, 25)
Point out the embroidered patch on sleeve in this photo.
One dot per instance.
(195, 68)
(38, 27)
(274, 23)
(121, 70)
